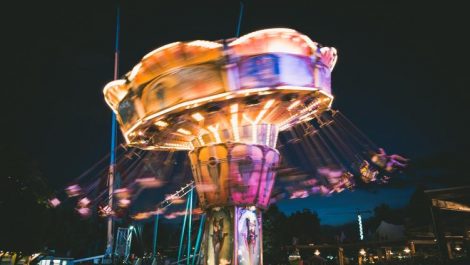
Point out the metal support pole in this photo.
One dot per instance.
(112, 162)
(155, 235)
(180, 248)
(198, 239)
(240, 17)
(190, 217)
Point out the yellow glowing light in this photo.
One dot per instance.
(214, 130)
(317, 252)
(293, 105)
(269, 104)
(134, 71)
(201, 140)
(260, 115)
(197, 116)
(362, 252)
(205, 44)
(234, 108)
(183, 131)
(245, 117)
(113, 93)
(176, 145)
(234, 121)
(161, 124)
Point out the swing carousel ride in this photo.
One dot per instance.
(234, 106)
(225, 103)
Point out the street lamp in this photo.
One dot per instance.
(362, 252)
(317, 252)
(407, 250)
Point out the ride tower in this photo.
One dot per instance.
(225, 102)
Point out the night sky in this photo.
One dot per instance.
(402, 76)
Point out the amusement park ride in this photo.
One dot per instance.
(225, 103)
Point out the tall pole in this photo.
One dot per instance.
(240, 17)
(188, 253)
(198, 239)
(180, 248)
(112, 162)
(155, 235)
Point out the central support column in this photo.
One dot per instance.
(234, 181)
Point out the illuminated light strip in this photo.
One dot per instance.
(261, 32)
(293, 105)
(160, 49)
(301, 88)
(183, 131)
(260, 115)
(134, 71)
(161, 124)
(269, 104)
(359, 220)
(110, 85)
(175, 145)
(215, 132)
(234, 122)
(169, 146)
(201, 140)
(234, 108)
(252, 90)
(197, 116)
(205, 44)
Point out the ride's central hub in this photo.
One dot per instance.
(225, 102)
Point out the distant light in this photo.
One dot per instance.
(317, 252)
(458, 248)
(362, 252)
(407, 250)
(131, 227)
(197, 116)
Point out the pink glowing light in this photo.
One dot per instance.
(54, 202)
(84, 202)
(84, 212)
(73, 190)
(149, 182)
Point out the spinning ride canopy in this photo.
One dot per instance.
(187, 95)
